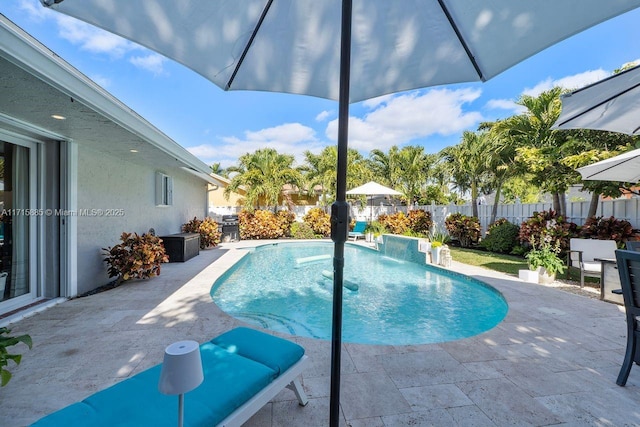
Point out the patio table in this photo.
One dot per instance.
(609, 281)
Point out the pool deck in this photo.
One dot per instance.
(552, 361)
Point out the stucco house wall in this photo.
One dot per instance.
(110, 183)
(88, 153)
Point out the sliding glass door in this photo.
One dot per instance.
(18, 217)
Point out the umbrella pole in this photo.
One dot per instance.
(340, 214)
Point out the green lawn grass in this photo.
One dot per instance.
(504, 263)
(508, 264)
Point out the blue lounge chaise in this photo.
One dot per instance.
(243, 370)
(358, 230)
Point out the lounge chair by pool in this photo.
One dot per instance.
(358, 230)
(243, 370)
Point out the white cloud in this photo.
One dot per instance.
(505, 104)
(93, 39)
(324, 115)
(289, 138)
(374, 102)
(208, 153)
(399, 119)
(153, 62)
(631, 63)
(34, 10)
(96, 40)
(575, 81)
(103, 81)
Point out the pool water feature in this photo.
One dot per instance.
(282, 287)
(401, 247)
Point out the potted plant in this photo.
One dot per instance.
(438, 240)
(8, 341)
(436, 247)
(376, 229)
(544, 258)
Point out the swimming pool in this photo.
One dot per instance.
(287, 287)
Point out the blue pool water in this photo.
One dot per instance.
(286, 287)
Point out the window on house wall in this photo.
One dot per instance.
(164, 189)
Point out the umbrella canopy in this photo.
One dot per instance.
(622, 168)
(372, 188)
(612, 104)
(294, 45)
(307, 47)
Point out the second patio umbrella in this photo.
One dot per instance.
(372, 189)
(612, 104)
(622, 168)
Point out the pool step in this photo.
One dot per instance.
(276, 322)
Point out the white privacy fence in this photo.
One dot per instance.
(516, 213)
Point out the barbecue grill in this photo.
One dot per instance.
(230, 228)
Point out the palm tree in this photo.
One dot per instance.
(383, 165)
(263, 174)
(501, 161)
(219, 170)
(406, 169)
(538, 146)
(410, 173)
(469, 163)
(320, 170)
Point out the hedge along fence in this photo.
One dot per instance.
(515, 213)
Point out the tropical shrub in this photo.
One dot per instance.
(601, 228)
(549, 227)
(137, 257)
(302, 230)
(501, 237)
(465, 229)
(420, 221)
(319, 221)
(396, 223)
(7, 341)
(261, 224)
(208, 230)
(285, 220)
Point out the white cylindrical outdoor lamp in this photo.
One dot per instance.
(181, 371)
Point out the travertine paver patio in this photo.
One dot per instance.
(552, 361)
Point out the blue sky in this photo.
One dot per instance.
(219, 126)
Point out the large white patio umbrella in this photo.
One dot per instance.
(372, 189)
(612, 104)
(345, 50)
(622, 168)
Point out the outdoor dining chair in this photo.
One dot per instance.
(633, 245)
(629, 270)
